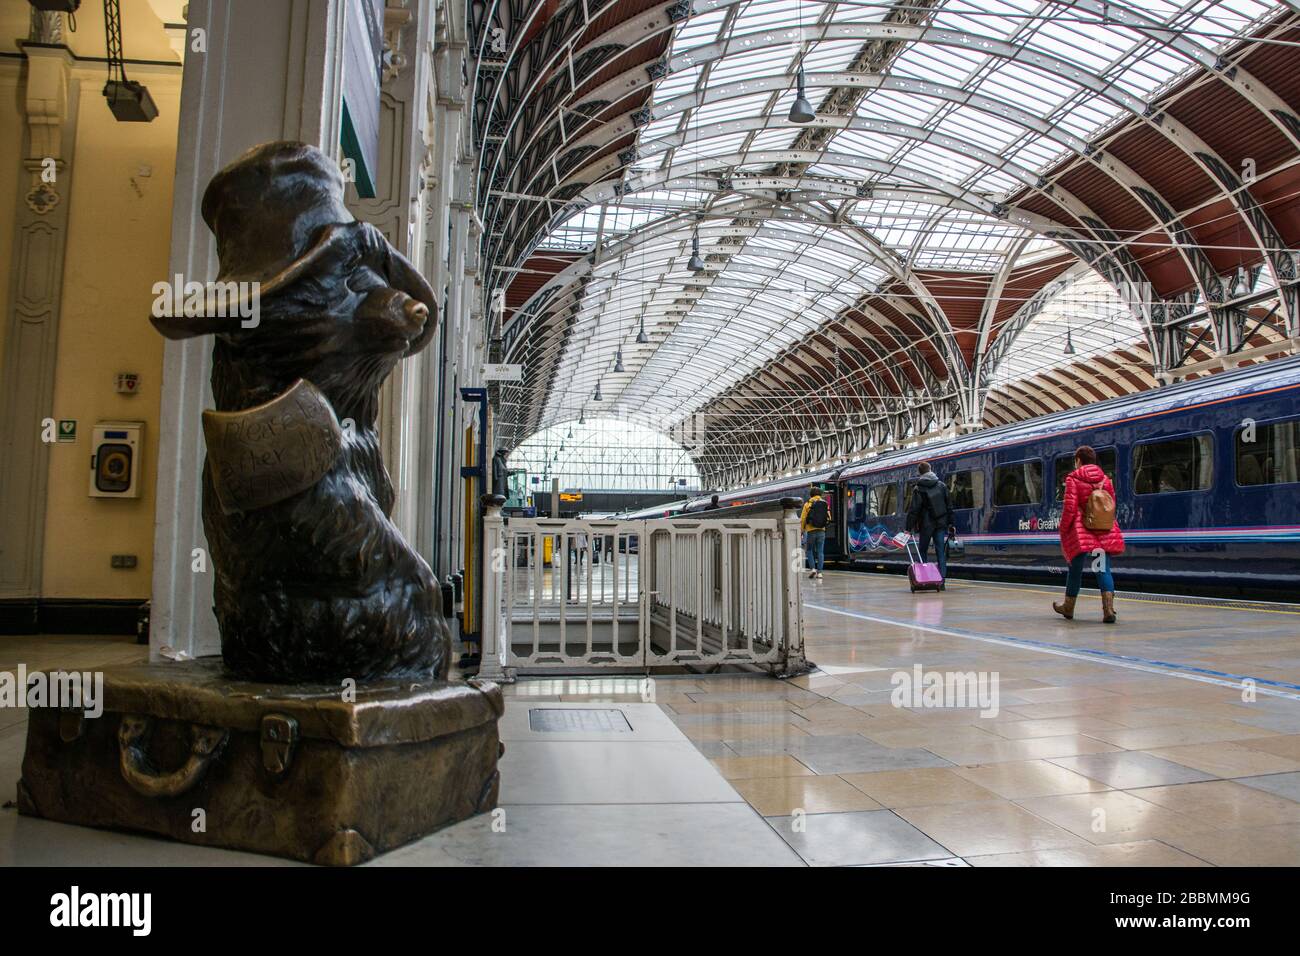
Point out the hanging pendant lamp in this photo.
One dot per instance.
(641, 337)
(696, 263)
(618, 361)
(801, 110)
(1069, 343)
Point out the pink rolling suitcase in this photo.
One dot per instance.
(921, 575)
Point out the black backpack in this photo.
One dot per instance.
(818, 514)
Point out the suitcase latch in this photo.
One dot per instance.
(279, 737)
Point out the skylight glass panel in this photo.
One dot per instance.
(831, 55)
(891, 106)
(699, 29)
(1028, 88)
(978, 127)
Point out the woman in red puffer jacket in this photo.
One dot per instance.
(1080, 543)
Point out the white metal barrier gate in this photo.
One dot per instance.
(592, 595)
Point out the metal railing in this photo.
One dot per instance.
(578, 596)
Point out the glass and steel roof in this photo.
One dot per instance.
(931, 115)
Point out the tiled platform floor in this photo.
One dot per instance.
(645, 797)
(1087, 762)
(1091, 759)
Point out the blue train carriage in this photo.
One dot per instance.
(1205, 474)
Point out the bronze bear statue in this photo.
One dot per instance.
(311, 311)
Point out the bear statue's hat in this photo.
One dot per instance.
(267, 208)
(270, 211)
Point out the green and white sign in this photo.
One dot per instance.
(67, 429)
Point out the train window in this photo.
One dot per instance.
(1268, 454)
(1065, 464)
(884, 499)
(1018, 484)
(966, 489)
(1177, 464)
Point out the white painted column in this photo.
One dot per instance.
(268, 71)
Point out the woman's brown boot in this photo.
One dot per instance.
(1108, 607)
(1066, 609)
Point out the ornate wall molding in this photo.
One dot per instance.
(49, 104)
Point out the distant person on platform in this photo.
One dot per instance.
(713, 504)
(929, 515)
(1089, 532)
(813, 522)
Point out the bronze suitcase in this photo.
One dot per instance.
(310, 773)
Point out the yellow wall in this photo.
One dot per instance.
(119, 233)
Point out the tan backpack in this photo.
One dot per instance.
(1099, 509)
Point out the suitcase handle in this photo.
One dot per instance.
(133, 739)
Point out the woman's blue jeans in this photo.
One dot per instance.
(1074, 580)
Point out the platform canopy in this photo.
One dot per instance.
(994, 209)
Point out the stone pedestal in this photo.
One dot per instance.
(316, 773)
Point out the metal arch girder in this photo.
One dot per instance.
(1017, 406)
(1012, 327)
(1107, 388)
(1172, 130)
(623, 34)
(1028, 178)
(946, 333)
(1232, 189)
(883, 257)
(1039, 399)
(831, 317)
(634, 308)
(1280, 264)
(624, 248)
(873, 81)
(1241, 81)
(1102, 242)
(1040, 64)
(818, 373)
(683, 171)
(929, 379)
(1030, 222)
(1138, 187)
(973, 403)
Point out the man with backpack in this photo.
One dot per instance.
(1089, 530)
(813, 522)
(929, 515)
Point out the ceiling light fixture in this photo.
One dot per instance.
(1069, 343)
(696, 263)
(596, 396)
(618, 361)
(641, 337)
(801, 110)
(1241, 283)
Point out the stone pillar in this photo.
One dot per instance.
(447, 246)
(48, 98)
(269, 71)
(398, 212)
